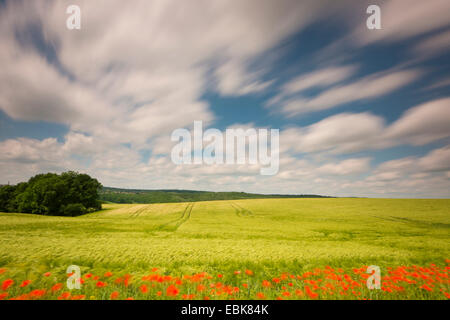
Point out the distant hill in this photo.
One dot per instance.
(118, 195)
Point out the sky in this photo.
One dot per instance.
(361, 112)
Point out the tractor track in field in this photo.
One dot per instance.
(175, 224)
(138, 212)
(241, 211)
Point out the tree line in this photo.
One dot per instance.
(118, 195)
(66, 194)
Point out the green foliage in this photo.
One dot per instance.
(117, 195)
(70, 194)
(74, 209)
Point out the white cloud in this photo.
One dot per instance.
(346, 167)
(436, 160)
(350, 132)
(344, 132)
(320, 78)
(405, 19)
(435, 44)
(366, 88)
(422, 124)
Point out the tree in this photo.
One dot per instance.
(70, 193)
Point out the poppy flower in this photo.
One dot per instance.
(114, 295)
(249, 272)
(108, 274)
(200, 288)
(57, 287)
(159, 293)
(266, 284)
(2, 270)
(155, 269)
(172, 291)
(129, 298)
(260, 295)
(3, 295)
(7, 283)
(25, 283)
(64, 296)
(426, 287)
(143, 288)
(47, 274)
(101, 284)
(37, 293)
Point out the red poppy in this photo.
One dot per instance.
(57, 287)
(7, 283)
(143, 288)
(25, 283)
(249, 272)
(64, 296)
(426, 287)
(260, 295)
(47, 274)
(3, 295)
(37, 293)
(172, 291)
(200, 288)
(114, 295)
(266, 283)
(101, 284)
(108, 274)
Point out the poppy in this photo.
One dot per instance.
(114, 295)
(172, 291)
(25, 283)
(7, 283)
(260, 295)
(57, 287)
(143, 288)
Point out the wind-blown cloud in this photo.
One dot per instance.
(350, 132)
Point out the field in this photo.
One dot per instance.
(241, 249)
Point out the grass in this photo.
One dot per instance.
(269, 237)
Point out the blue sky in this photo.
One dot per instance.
(361, 112)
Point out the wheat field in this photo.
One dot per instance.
(244, 244)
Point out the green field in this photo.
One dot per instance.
(271, 238)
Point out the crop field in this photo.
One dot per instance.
(240, 249)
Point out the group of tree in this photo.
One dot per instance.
(118, 195)
(66, 194)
